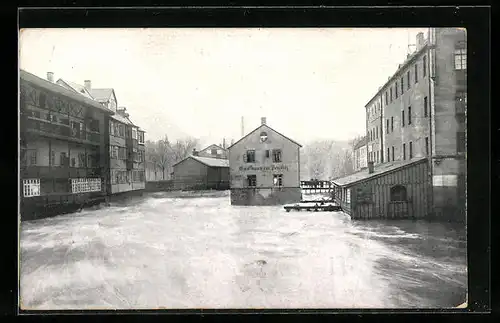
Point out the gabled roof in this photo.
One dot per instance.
(213, 145)
(56, 88)
(266, 126)
(378, 170)
(76, 87)
(210, 162)
(102, 94)
(122, 119)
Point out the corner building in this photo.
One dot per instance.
(421, 112)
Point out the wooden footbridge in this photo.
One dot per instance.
(316, 186)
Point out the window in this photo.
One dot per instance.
(140, 135)
(32, 153)
(404, 151)
(122, 153)
(392, 153)
(460, 102)
(411, 150)
(250, 156)
(252, 180)
(134, 133)
(388, 155)
(268, 153)
(263, 136)
(213, 151)
(278, 180)
(82, 160)
(402, 85)
(390, 91)
(396, 90)
(398, 193)
(402, 118)
(386, 98)
(387, 126)
(63, 160)
(121, 130)
(42, 100)
(461, 142)
(113, 152)
(424, 66)
(377, 156)
(276, 155)
(409, 115)
(73, 162)
(140, 156)
(427, 146)
(31, 187)
(460, 59)
(426, 113)
(408, 79)
(416, 73)
(392, 124)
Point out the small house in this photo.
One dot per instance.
(395, 190)
(199, 173)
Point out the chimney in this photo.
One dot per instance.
(88, 85)
(195, 153)
(263, 120)
(420, 40)
(50, 77)
(370, 167)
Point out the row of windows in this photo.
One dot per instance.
(277, 180)
(82, 159)
(119, 130)
(91, 124)
(275, 153)
(32, 187)
(125, 177)
(121, 153)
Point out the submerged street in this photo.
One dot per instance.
(164, 252)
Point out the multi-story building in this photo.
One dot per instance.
(421, 113)
(264, 168)
(63, 152)
(125, 141)
(360, 154)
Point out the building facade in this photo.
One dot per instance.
(360, 154)
(63, 155)
(201, 173)
(394, 190)
(125, 143)
(423, 114)
(264, 168)
(213, 151)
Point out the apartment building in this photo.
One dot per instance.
(63, 152)
(360, 154)
(421, 111)
(264, 168)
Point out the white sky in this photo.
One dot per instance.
(309, 83)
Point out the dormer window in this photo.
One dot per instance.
(263, 136)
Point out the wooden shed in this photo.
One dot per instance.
(394, 190)
(198, 173)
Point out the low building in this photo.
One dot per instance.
(213, 151)
(360, 154)
(394, 190)
(63, 152)
(201, 173)
(264, 168)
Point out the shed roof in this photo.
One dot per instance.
(266, 126)
(208, 161)
(377, 171)
(56, 88)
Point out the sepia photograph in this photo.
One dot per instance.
(242, 168)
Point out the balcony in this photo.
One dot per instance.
(46, 128)
(130, 164)
(58, 172)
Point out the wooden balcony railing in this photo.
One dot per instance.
(58, 130)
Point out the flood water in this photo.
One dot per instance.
(163, 252)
